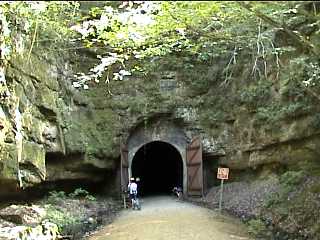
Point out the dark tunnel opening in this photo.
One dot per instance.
(159, 167)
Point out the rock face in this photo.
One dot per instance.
(46, 231)
(51, 131)
(23, 215)
(26, 222)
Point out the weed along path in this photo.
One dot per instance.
(165, 218)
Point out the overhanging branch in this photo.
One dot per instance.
(298, 38)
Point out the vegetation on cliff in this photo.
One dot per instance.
(129, 36)
(200, 32)
(252, 67)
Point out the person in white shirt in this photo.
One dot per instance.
(130, 181)
(133, 189)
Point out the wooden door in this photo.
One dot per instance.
(194, 168)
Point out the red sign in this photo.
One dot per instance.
(223, 173)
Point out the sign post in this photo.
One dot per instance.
(223, 173)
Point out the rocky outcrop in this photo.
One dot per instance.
(47, 231)
(25, 215)
(48, 130)
(51, 131)
(26, 222)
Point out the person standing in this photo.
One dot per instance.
(133, 189)
(134, 196)
(138, 184)
(130, 181)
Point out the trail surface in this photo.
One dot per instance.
(166, 218)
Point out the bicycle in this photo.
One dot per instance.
(135, 203)
(178, 192)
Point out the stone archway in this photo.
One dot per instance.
(159, 166)
(159, 131)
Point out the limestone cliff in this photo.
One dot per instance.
(51, 131)
(62, 134)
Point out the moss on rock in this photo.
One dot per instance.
(91, 132)
(8, 161)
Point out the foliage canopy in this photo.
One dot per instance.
(127, 33)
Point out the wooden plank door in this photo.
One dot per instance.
(124, 167)
(194, 168)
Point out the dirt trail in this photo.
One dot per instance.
(165, 218)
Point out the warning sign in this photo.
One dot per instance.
(223, 173)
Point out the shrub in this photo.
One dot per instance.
(56, 196)
(256, 95)
(291, 178)
(271, 113)
(79, 192)
(257, 228)
(63, 219)
(288, 181)
(82, 193)
(281, 111)
(90, 198)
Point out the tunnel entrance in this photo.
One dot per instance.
(159, 167)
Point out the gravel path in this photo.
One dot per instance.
(166, 218)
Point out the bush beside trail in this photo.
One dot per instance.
(243, 199)
(280, 207)
(67, 216)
